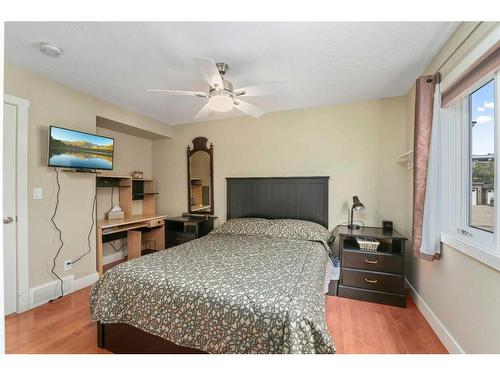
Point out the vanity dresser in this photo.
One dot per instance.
(181, 229)
(199, 220)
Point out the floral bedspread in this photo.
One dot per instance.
(223, 293)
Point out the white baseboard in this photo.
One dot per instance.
(85, 281)
(438, 327)
(114, 257)
(44, 293)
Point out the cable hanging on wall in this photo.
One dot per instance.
(114, 247)
(58, 252)
(90, 231)
(54, 260)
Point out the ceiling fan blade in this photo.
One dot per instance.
(248, 108)
(180, 92)
(210, 72)
(203, 112)
(270, 88)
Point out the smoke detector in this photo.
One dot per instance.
(50, 50)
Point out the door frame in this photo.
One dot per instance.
(23, 301)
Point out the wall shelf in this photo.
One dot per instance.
(104, 175)
(407, 158)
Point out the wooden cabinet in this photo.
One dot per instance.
(182, 229)
(375, 276)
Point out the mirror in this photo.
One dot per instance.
(200, 177)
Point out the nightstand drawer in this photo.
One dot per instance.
(373, 262)
(372, 280)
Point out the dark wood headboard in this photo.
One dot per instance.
(304, 198)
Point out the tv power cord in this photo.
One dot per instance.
(54, 260)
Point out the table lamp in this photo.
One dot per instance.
(356, 206)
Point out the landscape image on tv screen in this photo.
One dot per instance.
(74, 149)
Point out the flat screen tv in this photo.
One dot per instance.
(78, 150)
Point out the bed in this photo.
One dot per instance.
(254, 285)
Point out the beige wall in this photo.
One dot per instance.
(355, 144)
(131, 153)
(54, 104)
(463, 293)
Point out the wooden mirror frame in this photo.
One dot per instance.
(200, 144)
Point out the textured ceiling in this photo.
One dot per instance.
(324, 63)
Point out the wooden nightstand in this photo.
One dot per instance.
(372, 276)
(182, 229)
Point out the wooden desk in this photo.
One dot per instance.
(133, 226)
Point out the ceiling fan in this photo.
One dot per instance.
(221, 95)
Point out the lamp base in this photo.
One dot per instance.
(353, 226)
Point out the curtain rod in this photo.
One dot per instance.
(457, 48)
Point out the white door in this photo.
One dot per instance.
(9, 207)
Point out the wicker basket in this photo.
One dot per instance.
(367, 244)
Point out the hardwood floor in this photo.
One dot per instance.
(370, 328)
(64, 326)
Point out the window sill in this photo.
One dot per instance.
(472, 248)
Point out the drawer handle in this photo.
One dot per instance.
(371, 281)
(367, 261)
(178, 238)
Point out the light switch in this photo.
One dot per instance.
(37, 193)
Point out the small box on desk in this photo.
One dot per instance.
(113, 215)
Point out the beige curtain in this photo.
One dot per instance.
(424, 105)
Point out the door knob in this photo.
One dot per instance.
(7, 220)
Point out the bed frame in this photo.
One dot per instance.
(304, 198)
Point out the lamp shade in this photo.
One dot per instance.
(221, 103)
(356, 204)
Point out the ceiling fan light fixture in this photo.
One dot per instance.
(221, 95)
(221, 103)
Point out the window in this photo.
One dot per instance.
(469, 172)
(482, 157)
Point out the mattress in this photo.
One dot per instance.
(225, 293)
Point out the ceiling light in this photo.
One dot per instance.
(50, 50)
(221, 102)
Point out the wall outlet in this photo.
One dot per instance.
(37, 193)
(68, 265)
